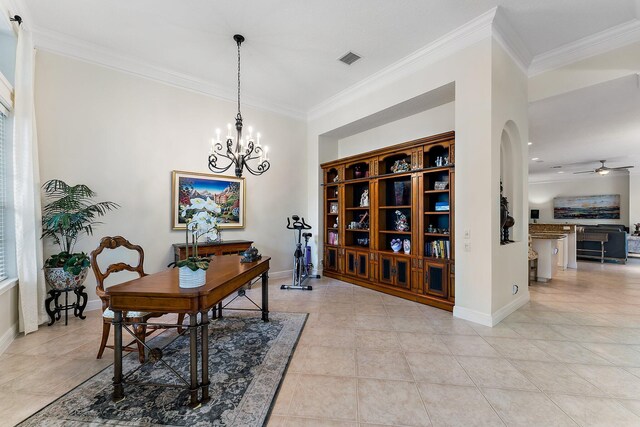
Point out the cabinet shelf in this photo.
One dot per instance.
(358, 230)
(332, 213)
(394, 232)
(395, 207)
(357, 208)
(332, 199)
(332, 229)
(437, 234)
(437, 212)
(390, 252)
(432, 192)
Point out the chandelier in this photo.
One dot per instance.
(243, 154)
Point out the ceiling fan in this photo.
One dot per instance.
(603, 170)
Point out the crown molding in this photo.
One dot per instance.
(72, 47)
(596, 44)
(504, 33)
(472, 32)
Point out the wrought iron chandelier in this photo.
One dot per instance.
(240, 154)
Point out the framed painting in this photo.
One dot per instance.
(227, 191)
(587, 207)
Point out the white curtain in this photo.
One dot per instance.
(26, 180)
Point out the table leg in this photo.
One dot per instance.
(220, 310)
(66, 307)
(265, 296)
(205, 356)
(193, 358)
(118, 389)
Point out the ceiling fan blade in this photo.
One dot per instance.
(585, 172)
(621, 168)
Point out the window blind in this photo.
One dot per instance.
(3, 192)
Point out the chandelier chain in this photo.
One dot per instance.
(238, 78)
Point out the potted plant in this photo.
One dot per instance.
(69, 213)
(203, 217)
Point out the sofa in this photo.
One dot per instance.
(615, 248)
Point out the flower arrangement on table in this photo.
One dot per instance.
(203, 219)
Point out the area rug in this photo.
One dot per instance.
(247, 361)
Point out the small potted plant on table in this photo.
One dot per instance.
(69, 213)
(203, 217)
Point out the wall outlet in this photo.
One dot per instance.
(515, 289)
(467, 247)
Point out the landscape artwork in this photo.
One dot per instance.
(226, 191)
(587, 207)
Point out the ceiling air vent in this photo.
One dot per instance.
(349, 58)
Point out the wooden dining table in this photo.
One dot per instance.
(161, 293)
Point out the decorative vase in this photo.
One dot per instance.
(406, 246)
(191, 279)
(396, 245)
(59, 279)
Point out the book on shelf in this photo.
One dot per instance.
(332, 238)
(442, 206)
(438, 249)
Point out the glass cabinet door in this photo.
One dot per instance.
(403, 273)
(352, 261)
(331, 259)
(435, 279)
(386, 269)
(363, 265)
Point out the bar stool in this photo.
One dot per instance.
(533, 263)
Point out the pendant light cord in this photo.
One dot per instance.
(239, 79)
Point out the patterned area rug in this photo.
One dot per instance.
(247, 361)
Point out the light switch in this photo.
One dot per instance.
(467, 234)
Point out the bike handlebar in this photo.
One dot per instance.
(298, 224)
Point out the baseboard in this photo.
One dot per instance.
(7, 338)
(94, 304)
(472, 315)
(501, 314)
(493, 319)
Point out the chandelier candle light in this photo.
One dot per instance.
(243, 152)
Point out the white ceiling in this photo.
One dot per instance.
(576, 129)
(290, 56)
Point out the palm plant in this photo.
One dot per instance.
(70, 213)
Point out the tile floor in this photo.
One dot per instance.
(569, 357)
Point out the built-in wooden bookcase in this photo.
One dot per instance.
(358, 235)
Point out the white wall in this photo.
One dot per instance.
(634, 199)
(123, 135)
(541, 196)
(430, 122)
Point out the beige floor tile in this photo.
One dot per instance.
(383, 364)
(437, 368)
(323, 395)
(285, 394)
(411, 324)
(376, 339)
(526, 408)
(378, 323)
(425, 343)
(618, 354)
(402, 311)
(493, 372)
(536, 332)
(595, 411)
(391, 403)
(321, 360)
(451, 326)
(370, 309)
(614, 381)
(518, 348)
(580, 333)
(331, 337)
(634, 371)
(570, 352)
(464, 345)
(450, 405)
(312, 422)
(586, 319)
(555, 377)
(500, 330)
(621, 335)
(632, 405)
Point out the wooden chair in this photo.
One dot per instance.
(533, 263)
(134, 317)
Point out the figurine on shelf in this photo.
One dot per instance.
(406, 246)
(438, 161)
(336, 223)
(363, 223)
(364, 199)
(431, 229)
(401, 222)
(357, 171)
(506, 220)
(446, 161)
(400, 166)
(396, 245)
(336, 178)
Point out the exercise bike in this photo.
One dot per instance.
(302, 265)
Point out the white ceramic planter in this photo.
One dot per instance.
(191, 279)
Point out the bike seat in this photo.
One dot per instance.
(307, 234)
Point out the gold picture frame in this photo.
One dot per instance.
(228, 191)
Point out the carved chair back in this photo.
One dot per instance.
(114, 243)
